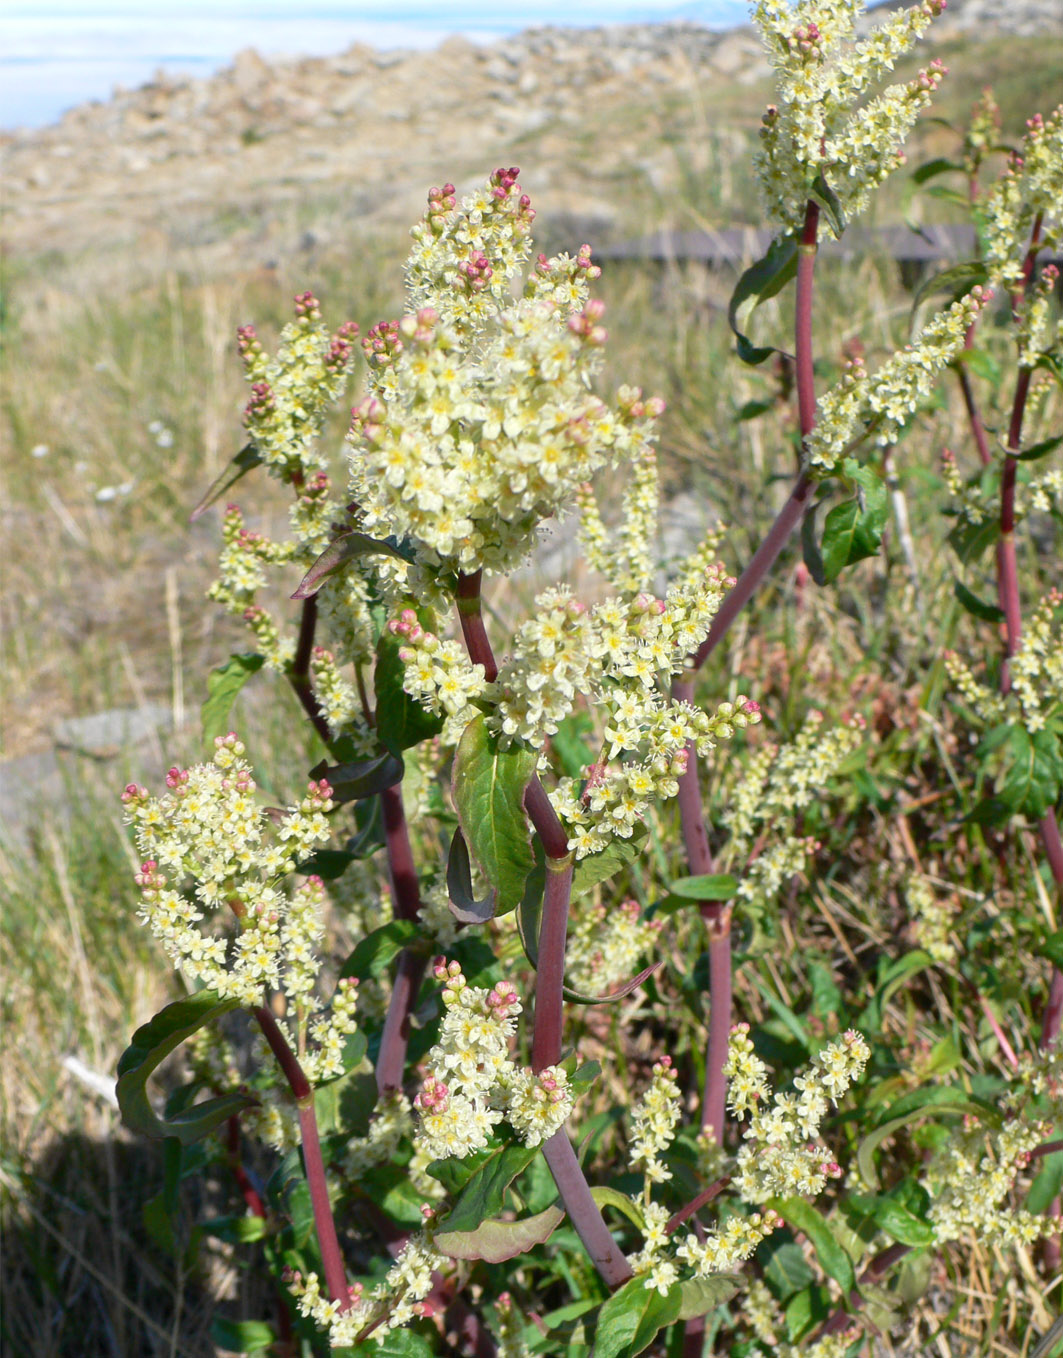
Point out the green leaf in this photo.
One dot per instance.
(894, 1218)
(1047, 1184)
(464, 906)
(362, 778)
(496, 1241)
(805, 1310)
(707, 887)
(488, 786)
(802, 1216)
(375, 953)
(970, 540)
(830, 204)
(978, 607)
(853, 530)
(957, 280)
(605, 1196)
(568, 745)
(236, 1230)
(1052, 948)
(158, 1222)
(787, 1270)
(150, 1045)
(1042, 449)
(1035, 775)
(764, 279)
(699, 1296)
(401, 721)
(223, 684)
(931, 1101)
(982, 364)
(607, 862)
(339, 554)
(631, 1319)
(245, 459)
(934, 167)
(751, 410)
(484, 1193)
(242, 1336)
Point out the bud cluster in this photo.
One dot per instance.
(605, 946)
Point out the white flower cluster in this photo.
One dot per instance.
(612, 801)
(1036, 670)
(1030, 190)
(817, 127)
(605, 946)
(480, 422)
(628, 562)
(472, 1083)
(932, 919)
(777, 786)
(292, 393)
(392, 1303)
(1040, 325)
(438, 674)
(970, 1177)
(886, 399)
(779, 1154)
(653, 1123)
(1046, 492)
(549, 664)
(210, 833)
(336, 696)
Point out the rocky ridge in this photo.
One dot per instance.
(177, 152)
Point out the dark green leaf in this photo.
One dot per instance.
(802, 1216)
(341, 552)
(484, 1193)
(607, 862)
(978, 607)
(1047, 1184)
(853, 530)
(1035, 775)
(328, 864)
(764, 279)
(361, 779)
(150, 1045)
(1042, 449)
(464, 906)
(982, 364)
(805, 1310)
(632, 1318)
(223, 684)
(1052, 948)
(488, 786)
(158, 1222)
(375, 953)
(931, 168)
(495, 1241)
(245, 459)
(241, 1336)
(404, 1343)
(401, 721)
(970, 540)
(787, 1270)
(752, 409)
(894, 1218)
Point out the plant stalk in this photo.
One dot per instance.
(303, 1092)
(548, 1022)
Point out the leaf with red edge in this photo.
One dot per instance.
(494, 1241)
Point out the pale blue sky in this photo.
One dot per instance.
(57, 53)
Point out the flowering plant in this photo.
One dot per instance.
(412, 1110)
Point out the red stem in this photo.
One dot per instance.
(406, 897)
(550, 973)
(705, 1196)
(876, 1269)
(324, 1224)
(299, 670)
(572, 1186)
(606, 1256)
